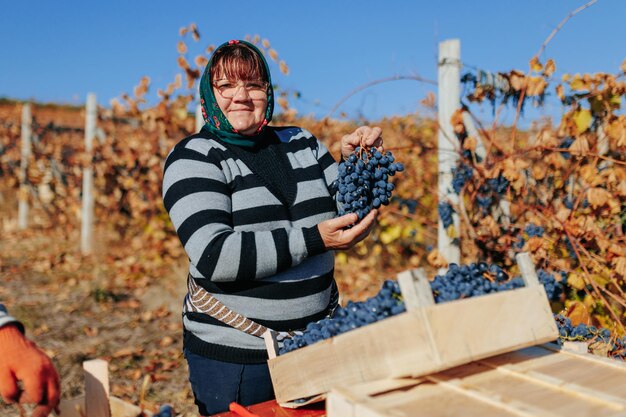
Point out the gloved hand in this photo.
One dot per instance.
(21, 360)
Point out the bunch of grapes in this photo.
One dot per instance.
(363, 181)
(460, 175)
(445, 213)
(584, 333)
(499, 184)
(531, 230)
(459, 282)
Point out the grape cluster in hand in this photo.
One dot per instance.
(363, 181)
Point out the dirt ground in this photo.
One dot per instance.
(75, 308)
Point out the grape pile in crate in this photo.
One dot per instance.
(460, 281)
(363, 181)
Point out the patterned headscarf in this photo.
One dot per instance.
(214, 120)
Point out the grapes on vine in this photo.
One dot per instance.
(364, 181)
(445, 211)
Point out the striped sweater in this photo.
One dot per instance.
(248, 222)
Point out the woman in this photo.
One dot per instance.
(252, 207)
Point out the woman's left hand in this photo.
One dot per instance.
(364, 135)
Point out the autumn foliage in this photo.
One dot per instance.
(568, 177)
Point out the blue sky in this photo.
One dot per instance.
(58, 51)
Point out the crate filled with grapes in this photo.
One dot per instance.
(405, 331)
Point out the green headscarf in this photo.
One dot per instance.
(215, 121)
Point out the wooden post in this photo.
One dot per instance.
(86, 233)
(449, 92)
(97, 388)
(22, 208)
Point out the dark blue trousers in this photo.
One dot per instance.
(216, 384)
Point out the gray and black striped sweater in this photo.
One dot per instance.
(247, 219)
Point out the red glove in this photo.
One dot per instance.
(21, 360)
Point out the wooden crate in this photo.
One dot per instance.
(536, 381)
(427, 338)
(97, 402)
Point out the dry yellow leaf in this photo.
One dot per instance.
(598, 197)
(436, 260)
(583, 119)
(619, 264)
(539, 170)
(488, 226)
(578, 84)
(470, 143)
(580, 146)
(201, 61)
(559, 92)
(578, 313)
(549, 68)
(616, 130)
(535, 86)
(517, 80)
(181, 47)
(535, 65)
(533, 244)
(273, 55)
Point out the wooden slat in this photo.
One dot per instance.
(97, 388)
(527, 268)
(519, 383)
(521, 371)
(270, 343)
(508, 405)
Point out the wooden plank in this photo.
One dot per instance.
(479, 327)
(409, 291)
(97, 388)
(524, 371)
(376, 351)
(422, 285)
(271, 344)
(507, 405)
(520, 383)
(527, 268)
(415, 289)
(417, 342)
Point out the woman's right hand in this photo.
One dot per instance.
(335, 236)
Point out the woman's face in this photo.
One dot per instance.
(245, 110)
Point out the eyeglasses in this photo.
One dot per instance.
(256, 89)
